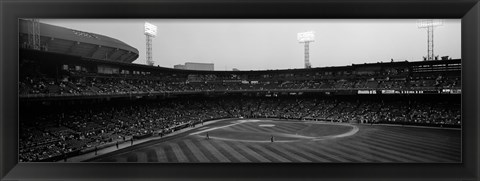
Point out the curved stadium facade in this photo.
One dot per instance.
(62, 40)
(81, 94)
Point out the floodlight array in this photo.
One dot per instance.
(425, 23)
(150, 29)
(308, 36)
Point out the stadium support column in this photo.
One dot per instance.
(149, 50)
(431, 54)
(430, 25)
(150, 32)
(307, 55)
(306, 38)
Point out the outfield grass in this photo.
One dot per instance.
(295, 141)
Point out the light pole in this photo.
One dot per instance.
(306, 38)
(429, 24)
(150, 32)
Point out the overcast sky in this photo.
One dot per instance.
(272, 44)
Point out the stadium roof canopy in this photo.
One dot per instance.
(74, 42)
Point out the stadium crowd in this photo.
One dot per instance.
(48, 134)
(122, 85)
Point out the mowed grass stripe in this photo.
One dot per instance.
(428, 136)
(132, 157)
(304, 153)
(283, 129)
(161, 155)
(257, 128)
(229, 128)
(344, 152)
(125, 154)
(268, 129)
(215, 152)
(151, 155)
(432, 142)
(278, 148)
(191, 156)
(254, 127)
(432, 146)
(302, 127)
(261, 149)
(362, 152)
(197, 153)
(379, 142)
(406, 152)
(250, 128)
(234, 146)
(112, 159)
(244, 149)
(433, 155)
(289, 127)
(169, 154)
(432, 134)
(226, 149)
(199, 144)
(321, 153)
(108, 160)
(294, 126)
(121, 159)
(378, 154)
(178, 152)
(391, 151)
(426, 152)
(242, 127)
(141, 156)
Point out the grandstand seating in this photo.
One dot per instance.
(89, 86)
(73, 126)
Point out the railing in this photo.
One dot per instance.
(140, 93)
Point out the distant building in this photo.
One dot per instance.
(195, 66)
(179, 66)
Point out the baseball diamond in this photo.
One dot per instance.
(239, 140)
(86, 96)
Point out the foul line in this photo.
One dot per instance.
(206, 130)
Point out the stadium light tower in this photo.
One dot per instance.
(429, 24)
(150, 32)
(306, 38)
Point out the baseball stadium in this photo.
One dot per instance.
(81, 99)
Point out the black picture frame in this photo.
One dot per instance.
(467, 10)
